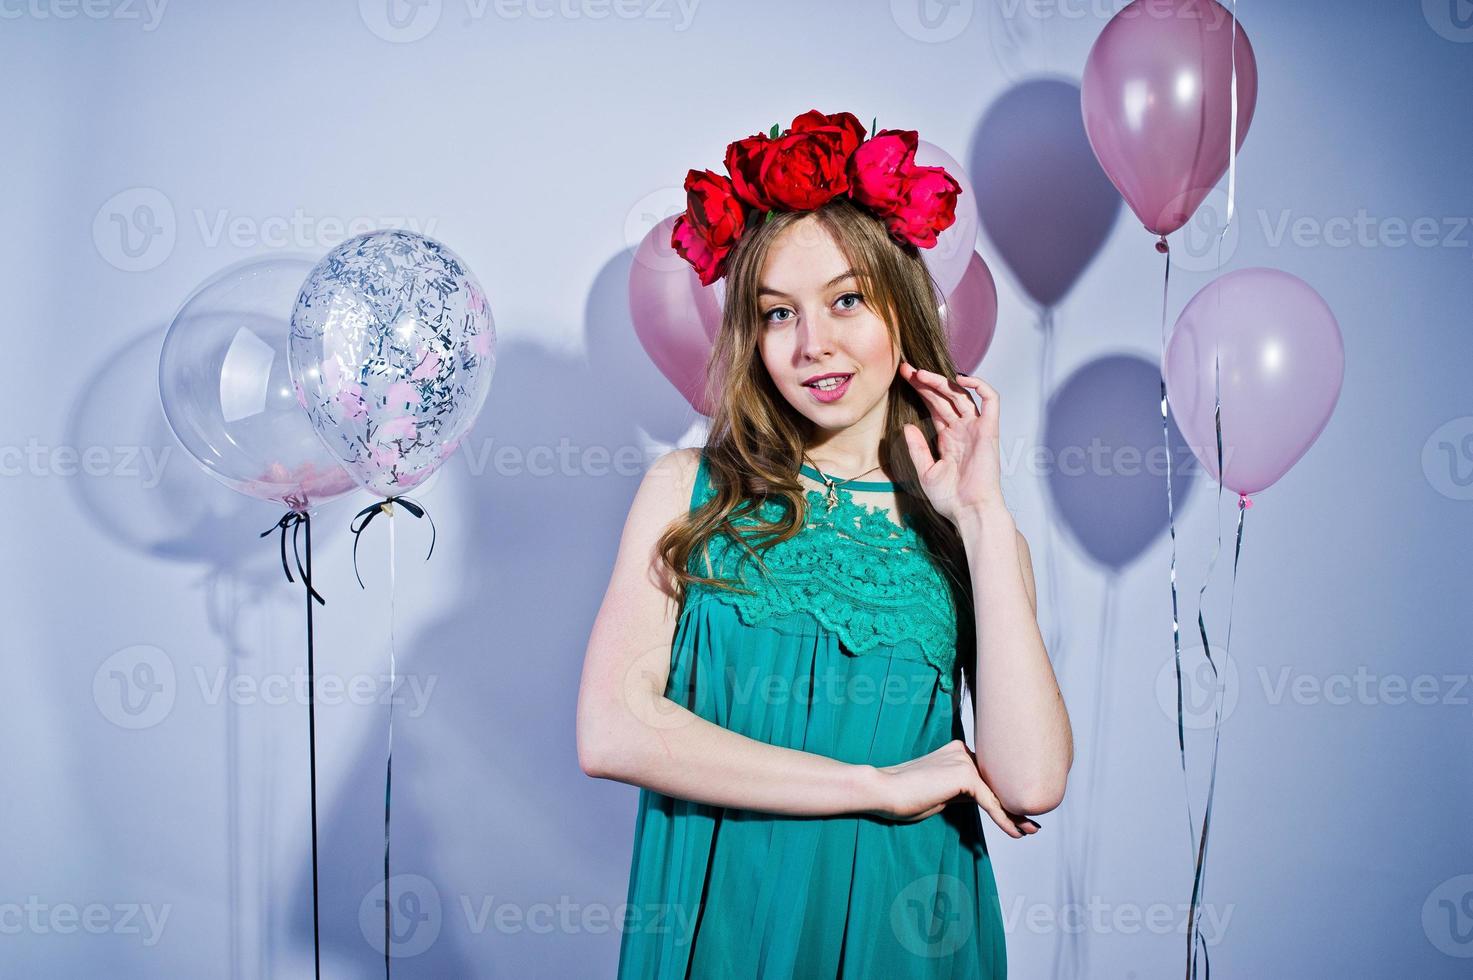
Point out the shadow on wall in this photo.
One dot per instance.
(1107, 475)
(1045, 204)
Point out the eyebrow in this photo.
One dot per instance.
(769, 291)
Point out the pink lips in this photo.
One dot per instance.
(834, 394)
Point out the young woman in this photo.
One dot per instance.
(794, 610)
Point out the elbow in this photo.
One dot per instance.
(593, 748)
(592, 763)
(594, 757)
(1036, 799)
(603, 751)
(612, 739)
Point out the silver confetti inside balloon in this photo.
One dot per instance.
(392, 352)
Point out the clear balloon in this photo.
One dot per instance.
(1269, 343)
(1157, 103)
(226, 389)
(392, 350)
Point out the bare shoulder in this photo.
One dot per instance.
(668, 483)
(662, 498)
(679, 463)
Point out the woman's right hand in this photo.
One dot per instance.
(922, 787)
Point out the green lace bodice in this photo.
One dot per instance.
(858, 573)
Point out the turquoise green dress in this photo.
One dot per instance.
(848, 649)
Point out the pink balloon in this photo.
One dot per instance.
(1157, 106)
(970, 315)
(675, 317)
(1279, 361)
(947, 260)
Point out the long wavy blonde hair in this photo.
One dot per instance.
(756, 439)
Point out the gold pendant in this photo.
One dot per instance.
(831, 498)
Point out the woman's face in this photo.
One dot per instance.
(815, 322)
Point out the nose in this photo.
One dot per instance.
(816, 338)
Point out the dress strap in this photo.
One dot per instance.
(703, 481)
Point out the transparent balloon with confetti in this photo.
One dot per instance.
(392, 352)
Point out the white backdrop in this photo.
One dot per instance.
(157, 822)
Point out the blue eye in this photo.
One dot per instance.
(768, 316)
(857, 300)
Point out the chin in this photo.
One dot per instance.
(834, 417)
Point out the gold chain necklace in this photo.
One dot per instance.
(831, 494)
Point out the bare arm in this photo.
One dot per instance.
(1025, 745)
(630, 731)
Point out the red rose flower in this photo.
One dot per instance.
(878, 168)
(714, 219)
(821, 156)
(806, 169)
(927, 206)
(849, 129)
(744, 160)
(917, 203)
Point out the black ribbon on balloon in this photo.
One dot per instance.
(360, 523)
(299, 521)
(365, 517)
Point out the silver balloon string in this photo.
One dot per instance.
(1232, 133)
(1181, 742)
(1194, 924)
(389, 757)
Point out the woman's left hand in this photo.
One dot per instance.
(968, 476)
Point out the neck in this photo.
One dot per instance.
(852, 450)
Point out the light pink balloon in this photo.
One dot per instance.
(1156, 98)
(675, 317)
(970, 315)
(948, 258)
(1279, 361)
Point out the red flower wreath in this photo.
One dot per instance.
(818, 158)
